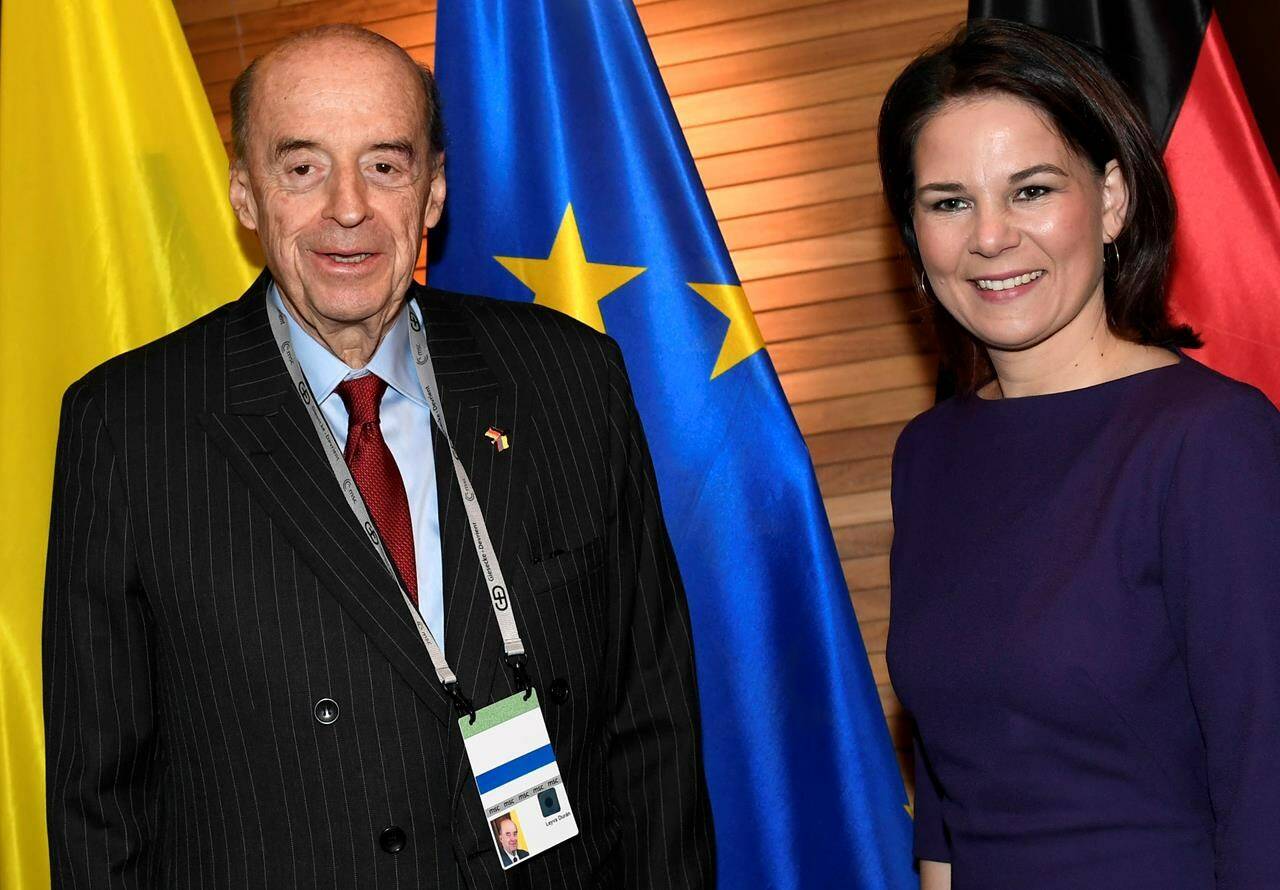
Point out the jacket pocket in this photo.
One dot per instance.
(560, 567)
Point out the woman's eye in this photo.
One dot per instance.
(1031, 192)
(949, 205)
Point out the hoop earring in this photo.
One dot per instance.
(924, 286)
(1116, 249)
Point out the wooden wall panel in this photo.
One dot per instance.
(778, 100)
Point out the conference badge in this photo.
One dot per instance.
(518, 779)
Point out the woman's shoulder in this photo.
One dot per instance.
(1207, 430)
(1203, 399)
(929, 428)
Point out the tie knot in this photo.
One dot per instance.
(362, 396)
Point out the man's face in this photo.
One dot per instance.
(508, 835)
(337, 179)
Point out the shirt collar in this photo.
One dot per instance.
(393, 360)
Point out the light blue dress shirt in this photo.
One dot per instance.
(406, 427)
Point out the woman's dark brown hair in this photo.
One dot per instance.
(1093, 115)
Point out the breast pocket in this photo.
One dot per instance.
(565, 615)
(563, 567)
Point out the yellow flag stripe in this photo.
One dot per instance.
(114, 228)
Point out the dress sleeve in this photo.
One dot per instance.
(930, 832)
(1221, 545)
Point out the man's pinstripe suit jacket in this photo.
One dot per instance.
(207, 585)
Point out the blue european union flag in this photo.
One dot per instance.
(570, 183)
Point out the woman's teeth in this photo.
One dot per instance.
(1005, 283)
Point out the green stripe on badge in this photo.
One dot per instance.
(498, 712)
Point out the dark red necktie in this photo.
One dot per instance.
(376, 474)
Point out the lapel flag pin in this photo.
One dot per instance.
(498, 438)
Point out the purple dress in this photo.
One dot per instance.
(1086, 628)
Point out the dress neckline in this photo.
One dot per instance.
(1079, 392)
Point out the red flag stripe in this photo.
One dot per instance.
(1226, 273)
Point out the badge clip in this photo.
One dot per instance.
(520, 674)
(462, 705)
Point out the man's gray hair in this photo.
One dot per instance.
(242, 89)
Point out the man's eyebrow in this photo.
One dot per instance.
(1037, 169)
(399, 146)
(284, 146)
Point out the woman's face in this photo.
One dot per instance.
(1011, 223)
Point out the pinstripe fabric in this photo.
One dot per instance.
(207, 585)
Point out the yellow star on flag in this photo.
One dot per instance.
(565, 280)
(743, 338)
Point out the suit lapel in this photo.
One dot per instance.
(268, 437)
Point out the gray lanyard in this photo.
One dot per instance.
(498, 595)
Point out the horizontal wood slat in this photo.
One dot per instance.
(869, 474)
(754, 165)
(786, 94)
(880, 674)
(789, 59)
(851, 444)
(864, 409)
(826, 284)
(851, 313)
(859, 508)
(779, 128)
(789, 26)
(868, 571)
(875, 632)
(871, 605)
(859, 377)
(665, 16)
(809, 221)
(801, 190)
(869, 539)
(194, 12)
(824, 251)
(856, 345)
(410, 30)
(832, 316)
(219, 69)
(267, 25)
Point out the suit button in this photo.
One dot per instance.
(326, 711)
(392, 839)
(559, 690)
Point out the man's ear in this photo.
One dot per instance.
(435, 198)
(1115, 202)
(241, 195)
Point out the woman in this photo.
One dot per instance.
(1086, 570)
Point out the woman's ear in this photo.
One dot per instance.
(1115, 201)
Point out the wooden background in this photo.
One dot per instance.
(778, 101)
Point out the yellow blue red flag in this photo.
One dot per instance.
(571, 185)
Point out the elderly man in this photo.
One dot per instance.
(295, 543)
(508, 843)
